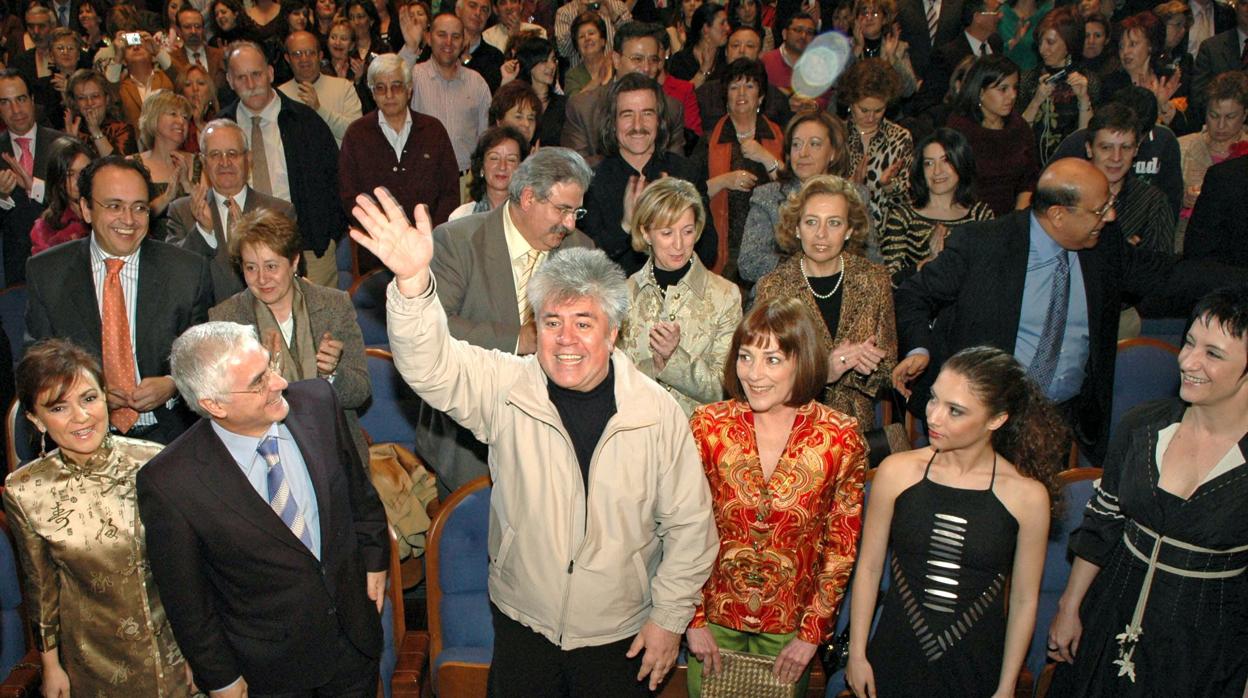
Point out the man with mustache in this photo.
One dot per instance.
(294, 156)
(483, 264)
(635, 130)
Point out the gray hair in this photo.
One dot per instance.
(200, 356)
(236, 46)
(575, 273)
(219, 124)
(385, 64)
(546, 168)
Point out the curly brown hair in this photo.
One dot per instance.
(791, 212)
(869, 77)
(1034, 438)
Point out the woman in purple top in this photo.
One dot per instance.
(1003, 145)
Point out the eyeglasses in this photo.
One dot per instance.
(565, 211)
(261, 384)
(1100, 212)
(219, 155)
(395, 88)
(139, 210)
(303, 53)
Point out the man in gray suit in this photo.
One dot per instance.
(483, 263)
(197, 221)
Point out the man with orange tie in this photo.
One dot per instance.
(123, 297)
(23, 166)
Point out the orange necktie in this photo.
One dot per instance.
(118, 352)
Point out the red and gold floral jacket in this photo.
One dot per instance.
(786, 545)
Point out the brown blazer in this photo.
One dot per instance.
(132, 103)
(866, 311)
(216, 64)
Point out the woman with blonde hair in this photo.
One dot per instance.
(197, 86)
(682, 315)
(163, 127)
(822, 226)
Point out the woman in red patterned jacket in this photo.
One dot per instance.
(786, 477)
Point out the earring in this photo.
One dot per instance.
(798, 235)
(43, 444)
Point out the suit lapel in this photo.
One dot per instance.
(220, 474)
(79, 284)
(492, 247)
(150, 303)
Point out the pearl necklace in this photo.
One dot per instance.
(802, 263)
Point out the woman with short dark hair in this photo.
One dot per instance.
(786, 477)
(90, 598)
(1156, 603)
(499, 151)
(1003, 145)
(589, 41)
(941, 198)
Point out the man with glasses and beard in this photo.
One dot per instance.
(483, 264)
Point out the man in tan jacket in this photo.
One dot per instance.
(601, 530)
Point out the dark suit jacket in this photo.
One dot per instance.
(943, 61)
(243, 594)
(1218, 54)
(15, 224)
(488, 61)
(180, 230)
(974, 292)
(1218, 229)
(175, 291)
(580, 129)
(312, 166)
(912, 16)
(475, 286)
(216, 64)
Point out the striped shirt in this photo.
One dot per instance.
(129, 289)
(462, 104)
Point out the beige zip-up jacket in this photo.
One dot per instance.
(581, 568)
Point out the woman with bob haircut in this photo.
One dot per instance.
(95, 610)
(1156, 603)
(681, 315)
(814, 144)
(942, 197)
(822, 227)
(499, 151)
(309, 330)
(786, 477)
(1004, 147)
(967, 521)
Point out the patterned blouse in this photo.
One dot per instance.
(708, 308)
(787, 544)
(905, 239)
(890, 143)
(84, 556)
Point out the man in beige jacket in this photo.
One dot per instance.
(601, 530)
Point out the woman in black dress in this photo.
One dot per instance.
(967, 519)
(1157, 600)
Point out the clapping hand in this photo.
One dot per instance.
(405, 248)
(328, 355)
(25, 181)
(664, 338)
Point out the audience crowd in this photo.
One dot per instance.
(675, 307)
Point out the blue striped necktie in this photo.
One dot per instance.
(280, 498)
(1049, 347)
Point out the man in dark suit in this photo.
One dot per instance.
(158, 289)
(980, 17)
(196, 222)
(1219, 53)
(915, 31)
(24, 148)
(1218, 229)
(267, 540)
(482, 263)
(195, 51)
(299, 162)
(482, 57)
(995, 284)
(637, 50)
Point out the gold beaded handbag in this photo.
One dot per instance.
(745, 675)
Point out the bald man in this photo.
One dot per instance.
(1002, 283)
(332, 98)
